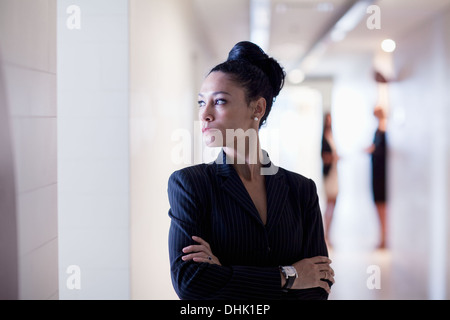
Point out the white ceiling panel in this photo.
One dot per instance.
(296, 26)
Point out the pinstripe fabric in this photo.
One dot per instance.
(210, 201)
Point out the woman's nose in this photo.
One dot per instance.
(206, 113)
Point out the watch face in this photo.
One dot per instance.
(290, 271)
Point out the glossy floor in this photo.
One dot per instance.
(361, 275)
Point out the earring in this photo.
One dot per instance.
(256, 118)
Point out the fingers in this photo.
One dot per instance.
(320, 259)
(323, 266)
(327, 275)
(327, 269)
(198, 257)
(199, 253)
(201, 241)
(194, 248)
(325, 286)
(203, 246)
(314, 272)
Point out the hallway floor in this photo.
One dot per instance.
(361, 275)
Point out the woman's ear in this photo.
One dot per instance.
(259, 108)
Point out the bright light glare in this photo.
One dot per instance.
(388, 45)
(296, 76)
(260, 11)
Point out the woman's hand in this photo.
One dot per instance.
(370, 149)
(312, 271)
(200, 253)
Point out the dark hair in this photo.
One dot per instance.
(259, 74)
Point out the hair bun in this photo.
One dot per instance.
(252, 53)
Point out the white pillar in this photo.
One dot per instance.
(93, 149)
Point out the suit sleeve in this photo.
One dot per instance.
(313, 236)
(193, 280)
(314, 239)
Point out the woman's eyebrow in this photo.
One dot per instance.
(215, 93)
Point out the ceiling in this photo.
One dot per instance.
(299, 28)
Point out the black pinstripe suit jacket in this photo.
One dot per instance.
(210, 201)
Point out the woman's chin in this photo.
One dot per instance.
(213, 139)
(211, 142)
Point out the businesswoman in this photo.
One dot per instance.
(242, 228)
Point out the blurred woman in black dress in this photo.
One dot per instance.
(330, 174)
(378, 154)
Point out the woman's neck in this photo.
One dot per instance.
(247, 162)
(382, 124)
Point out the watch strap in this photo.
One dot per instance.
(289, 279)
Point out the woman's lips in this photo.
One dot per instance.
(206, 129)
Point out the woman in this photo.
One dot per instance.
(378, 153)
(330, 174)
(242, 228)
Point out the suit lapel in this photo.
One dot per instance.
(276, 189)
(234, 187)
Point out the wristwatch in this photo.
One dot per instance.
(290, 273)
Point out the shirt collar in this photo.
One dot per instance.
(225, 167)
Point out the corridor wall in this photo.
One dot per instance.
(167, 65)
(93, 149)
(420, 162)
(28, 168)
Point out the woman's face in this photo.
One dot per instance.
(379, 113)
(223, 105)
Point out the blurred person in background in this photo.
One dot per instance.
(378, 157)
(330, 174)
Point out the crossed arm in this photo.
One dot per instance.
(197, 272)
(311, 271)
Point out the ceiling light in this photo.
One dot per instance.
(353, 16)
(260, 11)
(296, 76)
(338, 35)
(388, 45)
(349, 20)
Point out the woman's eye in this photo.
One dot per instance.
(220, 101)
(201, 103)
